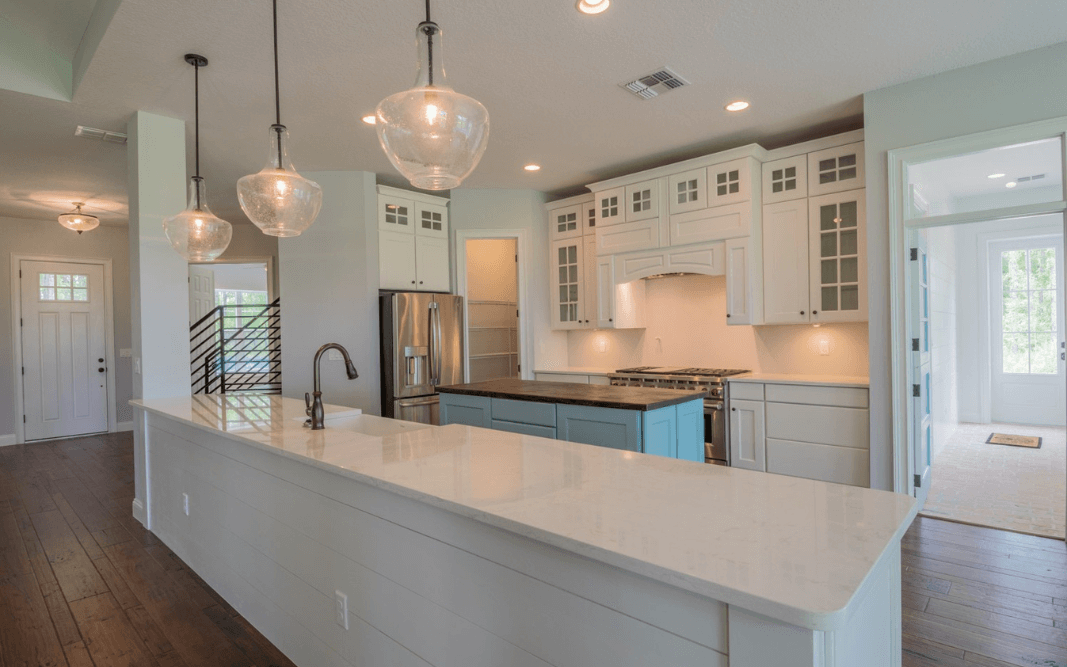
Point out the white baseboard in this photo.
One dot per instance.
(138, 511)
(6, 440)
(122, 427)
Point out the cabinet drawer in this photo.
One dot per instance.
(746, 391)
(599, 379)
(562, 377)
(604, 427)
(842, 397)
(525, 429)
(462, 409)
(842, 465)
(541, 414)
(711, 224)
(628, 236)
(818, 424)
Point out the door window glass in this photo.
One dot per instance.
(1028, 311)
(62, 287)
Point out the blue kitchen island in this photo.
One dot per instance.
(663, 422)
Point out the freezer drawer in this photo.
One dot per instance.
(421, 409)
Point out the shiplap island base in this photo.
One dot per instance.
(458, 545)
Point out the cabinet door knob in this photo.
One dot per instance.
(814, 312)
(733, 409)
(412, 282)
(420, 282)
(802, 312)
(610, 320)
(728, 314)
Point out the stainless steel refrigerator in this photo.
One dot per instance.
(422, 348)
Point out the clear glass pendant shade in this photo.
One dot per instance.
(78, 221)
(433, 135)
(195, 233)
(278, 200)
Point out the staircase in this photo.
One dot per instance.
(237, 349)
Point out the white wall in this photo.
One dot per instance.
(686, 317)
(944, 360)
(329, 293)
(518, 209)
(1009, 91)
(46, 237)
(242, 277)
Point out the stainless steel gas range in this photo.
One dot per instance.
(711, 380)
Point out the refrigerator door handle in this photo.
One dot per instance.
(438, 344)
(433, 341)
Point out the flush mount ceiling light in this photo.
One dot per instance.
(739, 105)
(278, 200)
(532, 167)
(1010, 184)
(78, 221)
(996, 176)
(370, 119)
(593, 6)
(195, 233)
(433, 135)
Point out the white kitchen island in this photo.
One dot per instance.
(457, 545)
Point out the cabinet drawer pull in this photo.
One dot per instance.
(802, 312)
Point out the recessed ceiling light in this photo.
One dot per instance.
(996, 176)
(532, 167)
(1010, 184)
(739, 105)
(370, 119)
(593, 6)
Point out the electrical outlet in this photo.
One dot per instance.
(334, 355)
(185, 503)
(342, 609)
(824, 347)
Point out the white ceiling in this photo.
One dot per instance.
(59, 24)
(548, 75)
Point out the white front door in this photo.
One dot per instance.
(201, 291)
(64, 340)
(1027, 337)
(922, 421)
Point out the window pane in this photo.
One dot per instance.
(829, 298)
(81, 281)
(849, 243)
(1043, 353)
(1016, 312)
(850, 297)
(1016, 357)
(1043, 311)
(48, 294)
(828, 217)
(1013, 268)
(1043, 268)
(63, 280)
(63, 294)
(47, 280)
(829, 245)
(829, 271)
(850, 270)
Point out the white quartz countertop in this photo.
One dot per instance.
(793, 549)
(577, 370)
(784, 378)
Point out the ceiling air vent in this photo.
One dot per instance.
(102, 135)
(1035, 177)
(652, 85)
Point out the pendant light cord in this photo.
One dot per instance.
(429, 43)
(278, 127)
(196, 85)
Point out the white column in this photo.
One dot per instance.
(159, 291)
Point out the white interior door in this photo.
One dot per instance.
(64, 338)
(1027, 338)
(201, 291)
(922, 421)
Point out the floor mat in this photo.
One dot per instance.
(1033, 442)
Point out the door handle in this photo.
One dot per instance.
(100, 370)
(439, 344)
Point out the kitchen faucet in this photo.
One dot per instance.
(317, 418)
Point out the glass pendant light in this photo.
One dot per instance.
(278, 200)
(195, 233)
(433, 135)
(78, 221)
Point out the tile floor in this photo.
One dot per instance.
(1011, 488)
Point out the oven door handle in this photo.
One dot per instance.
(713, 406)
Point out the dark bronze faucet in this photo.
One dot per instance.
(317, 418)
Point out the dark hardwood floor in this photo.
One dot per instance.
(82, 583)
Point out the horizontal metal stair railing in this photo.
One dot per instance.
(237, 349)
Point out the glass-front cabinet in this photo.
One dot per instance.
(568, 284)
(837, 242)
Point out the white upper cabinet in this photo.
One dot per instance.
(566, 268)
(785, 262)
(730, 182)
(413, 242)
(589, 276)
(836, 169)
(588, 218)
(628, 237)
(744, 298)
(431, 220)
(610, 207)
(642, 200)
(688, 191)
(838, 232)
(714, 224)
(785, 179)
(396, 214)
(706, 258)
(566, 223)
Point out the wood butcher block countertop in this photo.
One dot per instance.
(599, 396)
